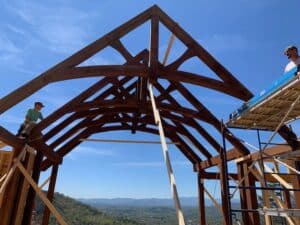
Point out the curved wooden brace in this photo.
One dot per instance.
(214, 121)
(115, 119)
(203, 55)
(87, 93)
(105, 117)
(189, 53)
(92, 130)
(186, 77)
(122, 50)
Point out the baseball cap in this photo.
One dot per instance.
(39, 103)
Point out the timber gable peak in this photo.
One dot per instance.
(70, 68)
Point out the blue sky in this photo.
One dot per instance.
(247, 37)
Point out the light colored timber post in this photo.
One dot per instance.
(167, 158)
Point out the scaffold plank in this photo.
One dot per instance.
(266, 110)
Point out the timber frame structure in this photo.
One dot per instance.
(120, 101)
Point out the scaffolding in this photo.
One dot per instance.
(272, 113)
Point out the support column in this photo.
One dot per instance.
(31, 194)
(202, 219)
(251, 196)
(10, 195)
(296, 185)
(226, 207)
(50, 194)
(243, 198)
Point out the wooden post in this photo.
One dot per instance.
(251, 197)
(243, 198)
(202, 219)
(31, 193)
(23, 192)
(41, 195)
(265, 193)
(8, 195)
(158, 121)
(50, 194)
(296, 185)
(224, 182)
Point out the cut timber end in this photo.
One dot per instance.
(5, 161)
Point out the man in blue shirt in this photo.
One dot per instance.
(32, 117)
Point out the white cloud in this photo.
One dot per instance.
(225, 42)
(10, 53)
(90, 151)
(7, 46)
(16, 30)
(62, 28)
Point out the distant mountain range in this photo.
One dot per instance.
(162, 202)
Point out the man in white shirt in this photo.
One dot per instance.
(292, 53)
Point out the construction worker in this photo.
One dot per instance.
(32, 117)
(292, 53)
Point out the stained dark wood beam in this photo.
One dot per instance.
(75, 101)
(197, 79)
(10, 139)
(190, 122)
(47, 151)
(98, 71)
(203, 55)
(193, 140)
(50, 194)
(206, 135)
(216, 160)
(81, 124)
(213, 120)
(45, 78)
(96, 129)
(216, 176)
(201, 199)
(193, 158)
(80, 98)
(154, 42)
(29, 203)
(73, 117)
(97, 107)
(118, 45)
(167, 96)
(189, 53)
